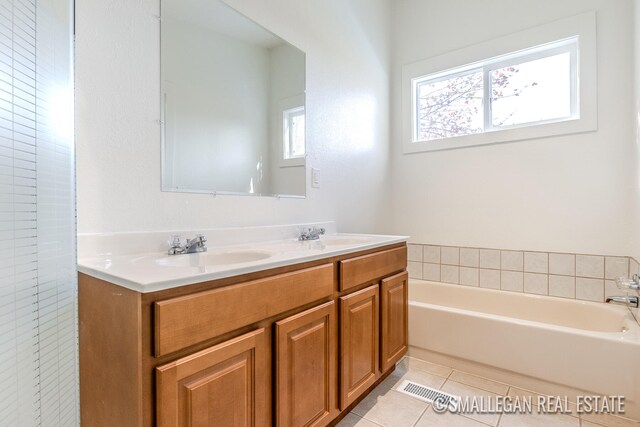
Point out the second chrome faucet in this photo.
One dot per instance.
(192, 246)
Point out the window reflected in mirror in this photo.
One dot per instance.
(233, 104)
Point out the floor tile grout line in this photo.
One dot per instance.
(480, 388)
(477, 421)
(420, 417)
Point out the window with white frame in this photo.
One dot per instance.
(535, 83)
(530, 87)
(293, 133)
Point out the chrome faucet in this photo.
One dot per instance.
(627, 300)
(311, 233)
(624, 283)
(633, 283)
(195, 245)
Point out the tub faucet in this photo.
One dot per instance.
(195, 245)
(311, 234)
(628, 300)
(633, 283)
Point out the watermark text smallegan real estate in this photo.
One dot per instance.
(530, 404)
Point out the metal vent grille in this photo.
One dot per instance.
(428, 394)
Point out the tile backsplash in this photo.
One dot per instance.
(585, 277)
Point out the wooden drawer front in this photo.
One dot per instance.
(223, 385)
(356, 271)
(306, 367)
(184, 321)
(359, 335)
(394, 305)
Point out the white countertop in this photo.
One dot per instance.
(155, 271)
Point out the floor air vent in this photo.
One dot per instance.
(429, 394)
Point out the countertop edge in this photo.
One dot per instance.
(156, 286)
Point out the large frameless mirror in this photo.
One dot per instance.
(233, 104)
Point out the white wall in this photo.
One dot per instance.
(216, 133)
(571, 193)
(118, 136)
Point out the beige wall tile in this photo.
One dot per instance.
(536, 262)
(414, 252)
(562, 286)
(490, 258)
(563, 264)
(590, 289)
(535, 283)
(431, 271)
(469, 257)
(590, 266)
(512, 260)
(615, 267)
(450, 274)
(511, 281)
(414, 269)
(450, 255)
(431, 253)
(469, 276)
(611, 289)
(489, 279)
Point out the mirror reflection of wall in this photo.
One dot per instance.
(233, 104)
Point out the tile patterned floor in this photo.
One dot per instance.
(386, 407)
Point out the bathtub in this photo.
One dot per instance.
(551, 345)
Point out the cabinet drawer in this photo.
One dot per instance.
(184, 321)
(362, 269)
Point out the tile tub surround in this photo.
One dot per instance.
(385, 406)
(565, 275)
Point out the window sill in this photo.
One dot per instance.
(546, 130)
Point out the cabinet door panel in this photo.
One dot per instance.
(359, 343)
(394, 329)
(306, 367)
(224, 385)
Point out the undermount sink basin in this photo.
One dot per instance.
(212, 259)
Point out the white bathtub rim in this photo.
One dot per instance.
(631, 335)
(630, 322)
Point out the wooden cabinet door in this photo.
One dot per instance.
(306, 368)
(359, 343)
(394, 330)
(224, 385)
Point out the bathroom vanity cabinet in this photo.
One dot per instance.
(291, 346)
